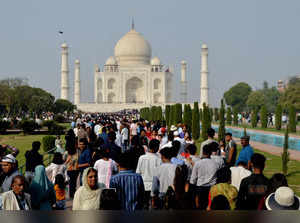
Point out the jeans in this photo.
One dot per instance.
(124, 145)
(73, 175)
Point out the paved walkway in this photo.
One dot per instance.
(294, 155)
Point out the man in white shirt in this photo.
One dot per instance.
(163, 177)
(214, 147)
(182, 142)
(203, 177)
(125, 137)
(146, 166)
(238, 173)
(211, 134)
(133, 129)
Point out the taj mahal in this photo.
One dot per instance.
(131, 79)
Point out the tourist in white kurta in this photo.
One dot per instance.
(56, 167)
(106, 167)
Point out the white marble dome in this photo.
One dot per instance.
(111, 61)
(133, 49)
(155, 61)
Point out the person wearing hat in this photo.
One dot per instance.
(246, 152)
(284, 198)
(10, 170)
(173, 128)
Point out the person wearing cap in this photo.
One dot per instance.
(10, 170)
(246, 152)
(210, 138)
(284, 198)
(254, 187)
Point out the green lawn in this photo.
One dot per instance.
(273, 165)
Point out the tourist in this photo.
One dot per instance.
(170, 140)
(176, 157)
(104, 135)
(41, 190)
(203, 177)
(238, 173)
(146, 165)
(246, 152)
(10, 170)
(163, 177)
(276, 181)
(56, 167)
(129, 185)
(282, 199)
(72, 169)
(223, 187)
(177, 196)
(125, 137)
(16, 199)
(81, 133)
(254, 187)
(84, 158)
(33, 159)
(181, 140)
(230, 150)
(59, 144)
(105, 166)
(222, 146)
(115, 150)
(87, 197)
(214, 147)
(210, 134)
(190, 158)
(133, 128)
(60, 192)
(137, 149)
(188, 138)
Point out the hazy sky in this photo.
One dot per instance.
(249, 41)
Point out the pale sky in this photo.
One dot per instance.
(249, 41)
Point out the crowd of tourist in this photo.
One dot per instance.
(121, 162)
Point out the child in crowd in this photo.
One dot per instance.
(60, 192)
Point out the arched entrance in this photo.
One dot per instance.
(111, 98)
(135, 91)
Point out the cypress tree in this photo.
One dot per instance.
(167, 114)
(216, 113)
(278, 117)
(285, 154)
(200, 114)
(189, 118)
(235, 117)
(211, 114)
(184, 119)
(159, 113)
(195, 122)
(205, 121)
(264, 117)
(221, 132)
(254, 118)
(228, 116)
(292, 118)
(178, 113)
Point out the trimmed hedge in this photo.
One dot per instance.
(28, 126)
(48, 143)
(4, 125)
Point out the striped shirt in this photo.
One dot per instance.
(130, 189)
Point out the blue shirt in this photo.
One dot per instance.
(85, 157)
(245, 155)
(177, 161)
(104, 137)
(130, 189)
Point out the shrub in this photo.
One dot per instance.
(4, 125)
(221, 132)
(59, 118)
(205, 121)
(235, 117)
(48, 143)
(216, 114)
(168, 114)
(54, 128)
(195, 122)
(278, 117)
(285, 156)
(229, 116)
(28, 126)
(264, 117)
(254, 117)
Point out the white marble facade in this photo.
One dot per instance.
(131, 76)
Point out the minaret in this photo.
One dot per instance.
(183, 82)
(204, 76)
(77, 83)
(64, 72)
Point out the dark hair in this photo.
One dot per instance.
(92, 170)
(83, 140)
(214, 147)
(104, 152)
(166, 152)
(127, 159)
(20, 177)
(191, 148)
(154, 145)
(60, 181)
(109, 200)
(206, 150)
(170, 136)
(276, 181)
(104, 129)
(111, 136)
(176, 147)
(211, 132)
(180, 179)
(228, 134)
(243, 163)
(58, 158)
(223, 175)
(135, 141)
(36, 145)
(258, 160)
(220, 202)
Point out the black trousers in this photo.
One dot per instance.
(73, 175)
(202, 195)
